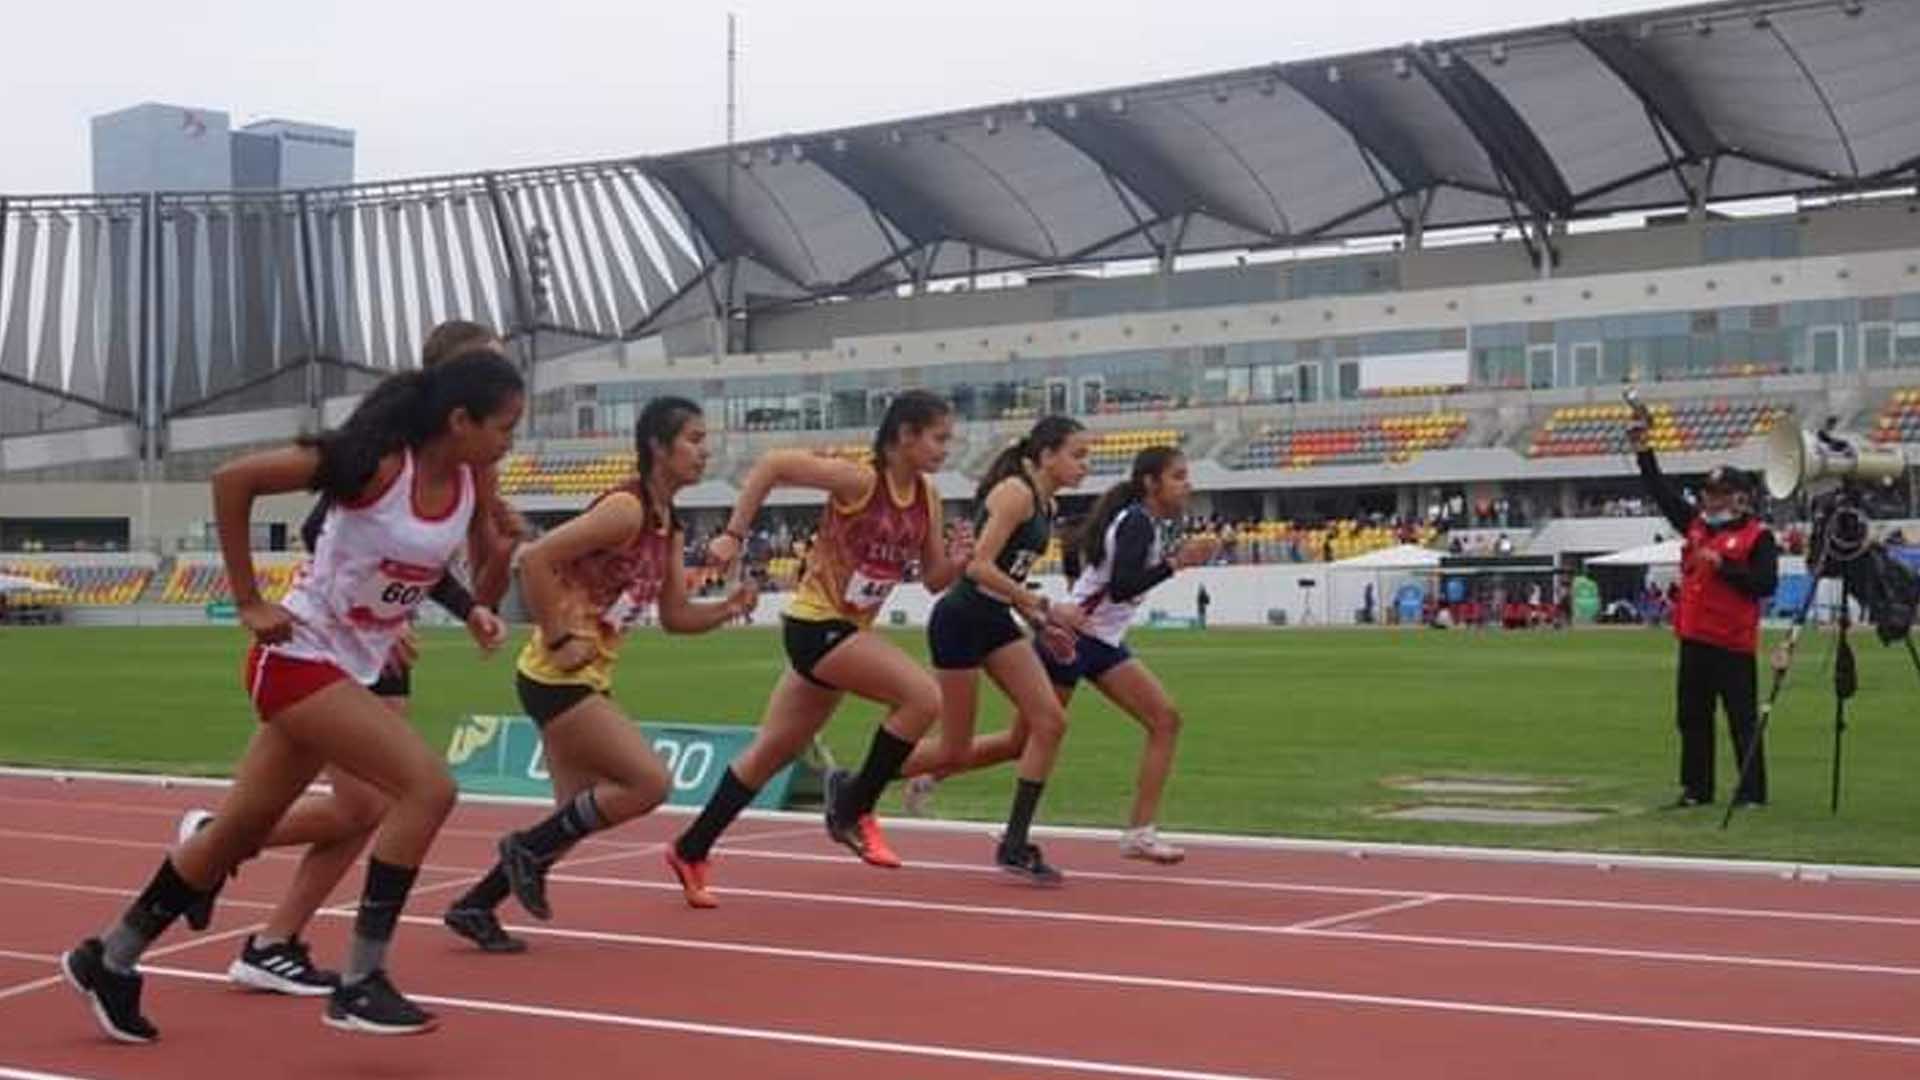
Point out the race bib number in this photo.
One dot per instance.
(1022, 562)
(388, 595)
(869, 587)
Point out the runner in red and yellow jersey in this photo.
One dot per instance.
(879, 522)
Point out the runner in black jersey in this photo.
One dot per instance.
(973, 627)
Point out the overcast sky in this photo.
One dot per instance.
(432, 86)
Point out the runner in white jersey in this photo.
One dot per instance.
(333, 827)
(401, 472)
(1122, 547)
(377, 560)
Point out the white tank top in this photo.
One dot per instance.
(1108, 619)
(376, 561)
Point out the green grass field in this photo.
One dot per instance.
(1296, 733)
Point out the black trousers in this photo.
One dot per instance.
(1709, 673)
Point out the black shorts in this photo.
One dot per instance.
(966, 628)
(394, 681)
(1092, 658)
(808, 642)
(544, 701)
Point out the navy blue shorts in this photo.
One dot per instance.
(965, 629)
(1092, 658)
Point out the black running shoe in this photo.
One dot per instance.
(1027, 863)
(115, 997)
(482, 927)
(832, 785)
(526, 875)
(283, 968)
(199, 914)
(373, 1007)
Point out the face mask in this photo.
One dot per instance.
(1718, 518)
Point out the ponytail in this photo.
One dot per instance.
(406, 410)
(1050, 433)
(1150, 462)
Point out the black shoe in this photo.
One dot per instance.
(482, 927)
(1687, 802)
(1746, 802)
(831, 786)
(283, 968)
(1027, 863)
(373, 1007)
(115, 997)
(526, 875)
(199, 914)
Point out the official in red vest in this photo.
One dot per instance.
(1729, 565)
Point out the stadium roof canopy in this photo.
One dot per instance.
(1665, 108)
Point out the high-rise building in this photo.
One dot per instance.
(290, 154)
(154, 147)
(157, 147)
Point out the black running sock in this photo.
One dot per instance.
(564, 827)
(731, 797)
(164, 898)
(1026, 799)
(884, 757)
(380, 905)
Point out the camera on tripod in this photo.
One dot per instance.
(1842, 475)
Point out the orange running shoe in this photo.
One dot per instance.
(693, 879)
(867, 841)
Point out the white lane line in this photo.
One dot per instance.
(1364, 913)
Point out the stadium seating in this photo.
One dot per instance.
(1113, 451)
(1899, 421)
(84, 584)
(858, 453)
(563, 472)
(206, 582)
(1582, 430)
(1352, 442)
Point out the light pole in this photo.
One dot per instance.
(539, 272)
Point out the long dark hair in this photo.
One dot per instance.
(1050, 433)
(916, 409)
(407, 410)
(1148, 463)
(659, 424)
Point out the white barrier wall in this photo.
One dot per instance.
(1242, 595)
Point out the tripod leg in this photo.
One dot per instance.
(1839, 728)
(1753, 751)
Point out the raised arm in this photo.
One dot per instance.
(610, 523)
(843, 481)
(939, 566)
(236, 485)
(680, 614)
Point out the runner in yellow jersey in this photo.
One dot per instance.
(880, 522)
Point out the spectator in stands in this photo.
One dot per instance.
(1729, 565)
(1201, 602)
(1503, 545)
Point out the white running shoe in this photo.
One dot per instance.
(918, 796)
(192, 822)
(1144, 843)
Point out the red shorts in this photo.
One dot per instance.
(275, 682)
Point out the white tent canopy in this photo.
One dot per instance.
(11, 583)
(1402, 557)
(1664, 553)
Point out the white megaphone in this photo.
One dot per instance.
(1798, 458)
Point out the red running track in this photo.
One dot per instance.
(1242, 962)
